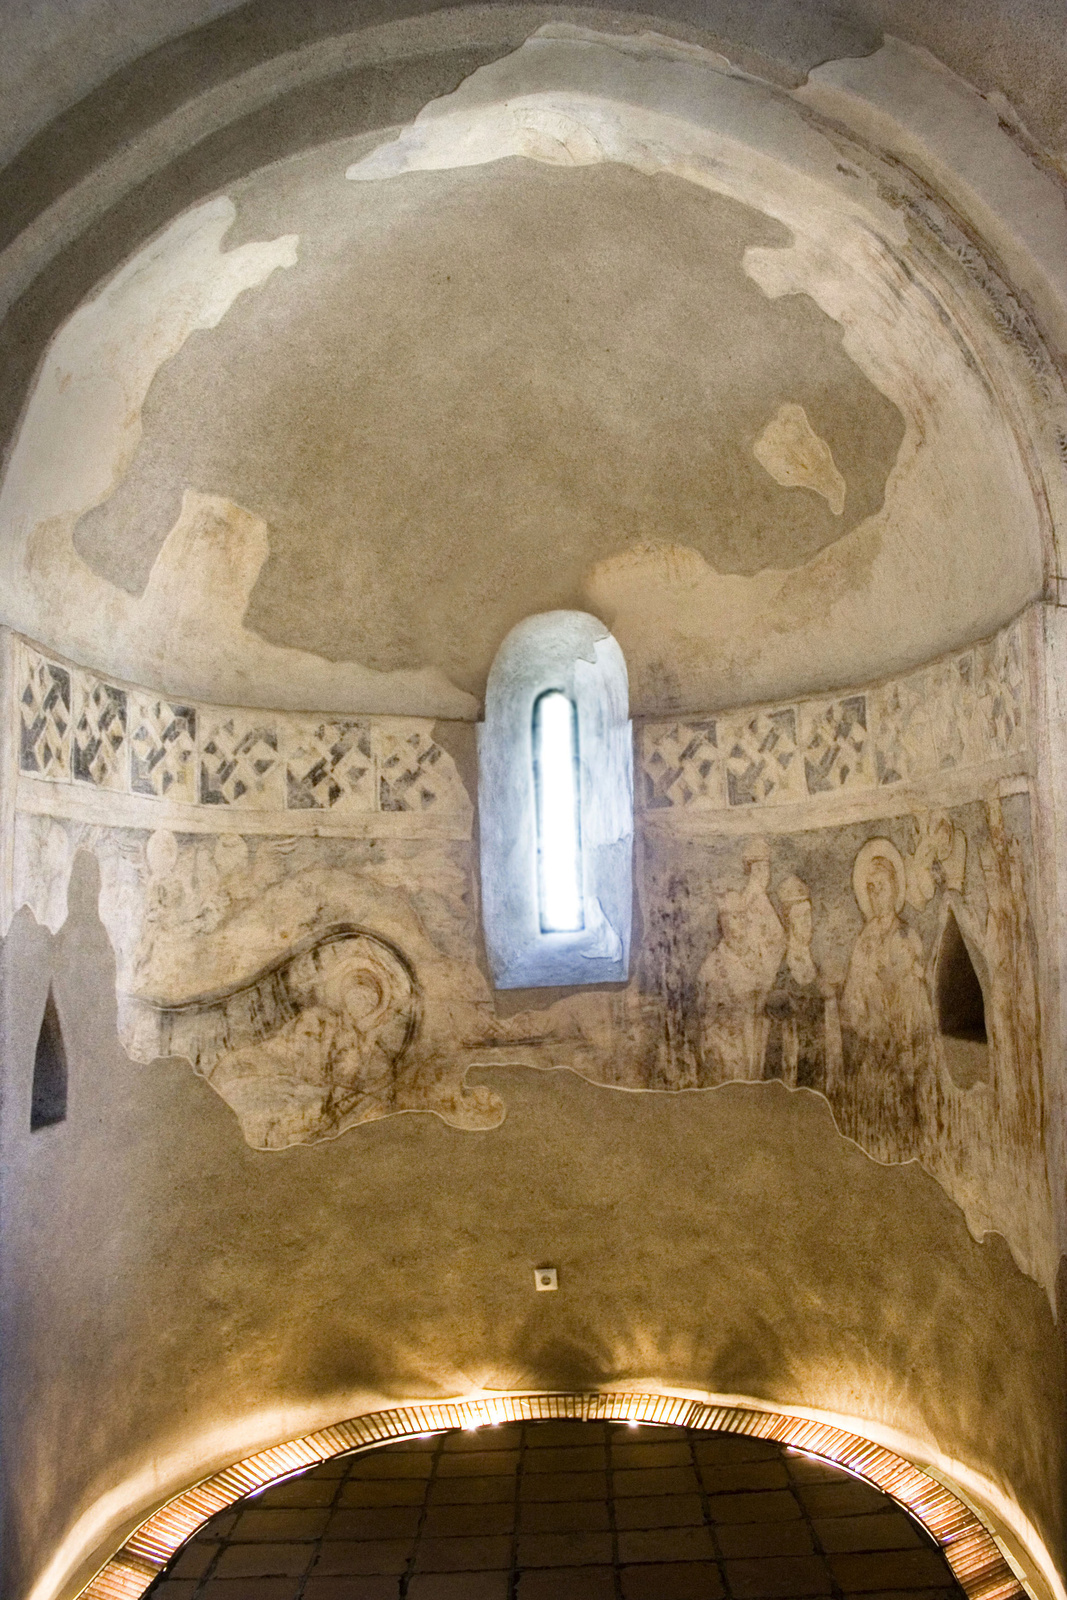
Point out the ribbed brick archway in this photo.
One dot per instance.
(972, 1554)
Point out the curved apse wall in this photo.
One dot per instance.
(763, 953)
(228, 1256)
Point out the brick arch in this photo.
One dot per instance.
(969, 1548)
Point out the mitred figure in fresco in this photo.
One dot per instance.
(737, 976)
(804, 1041)
(728, 985)
(887, 1018)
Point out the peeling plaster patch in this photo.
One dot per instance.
(185, 633)
(467, 364)
(643, 46)
(83, 423)
(960, 469)
(44, 861)
(906, 100)
(649, 107)
(795, 456)
(187, 630)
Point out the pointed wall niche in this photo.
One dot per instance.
(960, 1004)
(49, 1103)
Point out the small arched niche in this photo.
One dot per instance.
(555, 796)
(960, 1008)
(48, 1104)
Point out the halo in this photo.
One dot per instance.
(364, 957)
(887, 850)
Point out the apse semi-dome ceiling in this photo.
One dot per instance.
(474, 386)
(329, 436)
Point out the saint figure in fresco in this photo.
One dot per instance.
(737, 976)
(887, 1017)
(763, 931)
(727, 986)
(804, 1039)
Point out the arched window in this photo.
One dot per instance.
(960, 1004)
(555, 796)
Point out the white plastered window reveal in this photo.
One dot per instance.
(555, 793)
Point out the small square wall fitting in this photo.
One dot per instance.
(545, 1279)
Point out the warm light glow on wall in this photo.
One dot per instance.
(559, 844)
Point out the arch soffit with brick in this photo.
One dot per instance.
(993, 1553)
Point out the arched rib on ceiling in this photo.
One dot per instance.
(266, 80)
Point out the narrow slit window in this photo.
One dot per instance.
(559, 842)
(49, 1100)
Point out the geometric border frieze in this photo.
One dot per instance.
(162, 748)
(44, 718)
(965, 710)
(240, 764)
(78, 728)
(331, 767)
(99, 754)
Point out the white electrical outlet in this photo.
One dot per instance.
(545, 1279)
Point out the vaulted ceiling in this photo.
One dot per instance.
(668, 344)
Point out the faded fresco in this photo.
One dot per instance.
(819, 959)
(889, 967)
(348, 967)
(317, 982)
(832, 960)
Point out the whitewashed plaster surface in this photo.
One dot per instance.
(76, 441)
(794, 455)
(575, 99)
(903, 98)
(956, 548)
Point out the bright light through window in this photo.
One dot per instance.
(559, 846)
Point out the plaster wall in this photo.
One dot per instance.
(58, 54)
(741, 524)
(195, 1298)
